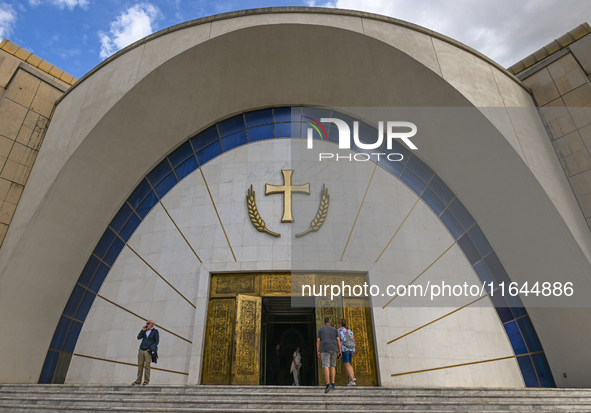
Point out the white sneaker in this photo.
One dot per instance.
(352, 383)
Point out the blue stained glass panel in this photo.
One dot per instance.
(49, 367)
(186, 167)
(420, 168)
(104, 243)
(204, 138)
(165, 185)
(260, 132)
(88, 271)
(515, 338)
(288, 130)
(180, 154)
(73, 303)
(370, 135)
(529, 334)
(398, 148)
(528, 372)
(72, 337)
(114, 251)
(452, 224)
(433, 201)
(479, 240)
(469, 249)
(98, 279)
(85, 306)
(441, 189)
(209, 152)
(282, 114)
(120, 217)
(333, 133)
(543, 370)
(516, 305)
(413, 182)
(393, 167)
(159, 172)
(139, 193)
(234, 140)
(142, 210)
(485, 276)
(497, 269)
(129, 228)
(306, 126)
(461, 213)
(259, 117)
(233, 124)
(61, 331)
(501, 306)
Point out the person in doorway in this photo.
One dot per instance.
(347, 349)
(331, 348)
(275, 366)
(296, 364)
(149, 345)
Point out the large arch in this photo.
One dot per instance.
(277, 123)
(116, 124)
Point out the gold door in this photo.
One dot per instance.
(325, 307)
(246, 357)
(218, 341)
(358, 316)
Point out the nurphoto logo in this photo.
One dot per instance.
(392, 132)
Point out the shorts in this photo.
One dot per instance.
(347, 356)
(329, 359)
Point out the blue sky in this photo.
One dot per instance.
(76, 35)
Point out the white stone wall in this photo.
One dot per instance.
(159, 275)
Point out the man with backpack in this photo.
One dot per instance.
(348, 349)
(331, 347)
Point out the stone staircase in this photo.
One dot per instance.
(267, 399)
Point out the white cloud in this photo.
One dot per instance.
(505, 30)
(70, 4)
(7, 19)
(130, 26)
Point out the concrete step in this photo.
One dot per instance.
(286, 399)
(344, 396)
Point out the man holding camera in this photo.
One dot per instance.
(149, 345)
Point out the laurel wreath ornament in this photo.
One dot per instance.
(320, 215)
(254, 215)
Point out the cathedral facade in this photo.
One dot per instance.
(224, 176)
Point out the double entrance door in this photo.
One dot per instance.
(249, 314)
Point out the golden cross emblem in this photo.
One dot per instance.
(287, 189)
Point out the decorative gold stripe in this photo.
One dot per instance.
(360, 206)
(216, 212)
(434, 321)
(516, 318)
(127, 364)
(143, 318)
(159, 275)
(180, 232)
(401, 224)
(455, 365)
(417, 277)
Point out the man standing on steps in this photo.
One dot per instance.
(331, 347)
(149, 345)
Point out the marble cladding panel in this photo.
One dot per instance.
(108, 338)
(160, 244)
(471, 335)
(167, 247)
